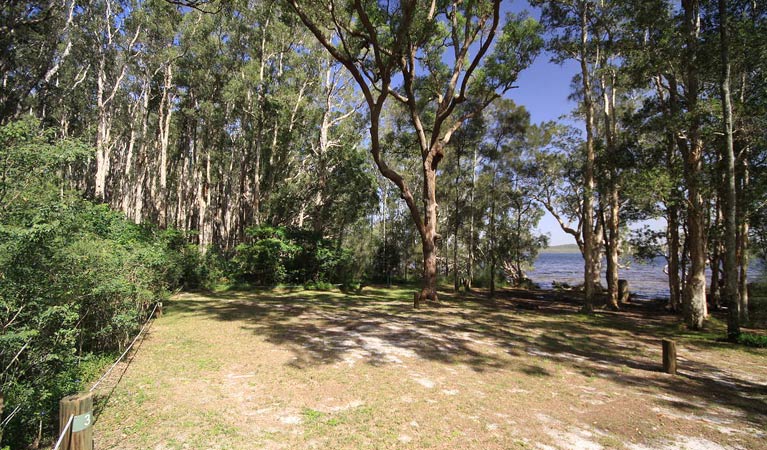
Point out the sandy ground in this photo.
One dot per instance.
(327, 370)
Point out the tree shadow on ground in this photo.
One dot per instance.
(379, 328)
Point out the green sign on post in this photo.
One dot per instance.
(82, 421)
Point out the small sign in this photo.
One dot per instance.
(82, 422)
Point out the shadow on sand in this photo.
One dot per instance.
(325, 328)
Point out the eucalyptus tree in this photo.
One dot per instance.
(29, 51)
(571, 23)
(554, 174)
(505, 201)
(461, 166)
(730, 219)
(747, 49)
(692, 147)
(432, 60)
(653, 65)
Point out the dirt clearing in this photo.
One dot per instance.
(327, 370)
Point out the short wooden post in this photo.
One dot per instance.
(669, 356)
(158, 312)
(80, 433)
(623, 291)
(417, 300)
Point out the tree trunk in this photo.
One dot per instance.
(589, 241)
(694, 306)
(470, 261)
(456, 227)
(165, 113)
(429, 236)
(672, 238)
(613, 247)
(103, 150)
(714, 293)
(493, 252)
(456, 285)
(731, 297)
(695, 287)
(743, 257)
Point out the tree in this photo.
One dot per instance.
(400, 51)
(509, 209)
(728, 158)
(555, 178)
(571, 23)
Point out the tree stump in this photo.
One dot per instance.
(623, 291)
(669, 356)
(80, 433)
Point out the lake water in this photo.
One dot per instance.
(646, 280)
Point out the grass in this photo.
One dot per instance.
(753, 340)
(284, 368)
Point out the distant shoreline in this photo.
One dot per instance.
(560, 249)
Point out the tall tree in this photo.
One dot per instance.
(432, 60)
(691, 144)
(571, 24)
(730, 207)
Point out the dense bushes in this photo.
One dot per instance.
(76, 280)
(277, 255)
(76, 283)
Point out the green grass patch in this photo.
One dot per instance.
(753, 340)
(93, 366)
(312, 415)
(320, 286)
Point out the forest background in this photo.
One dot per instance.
(149, 146)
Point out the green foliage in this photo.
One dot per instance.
(647, 244)
(386, 263)
(277, 255)
(319, 286)
(753, 340)
(31, 160)
(76, 280)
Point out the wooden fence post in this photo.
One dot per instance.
(669, 356)
(158, 312)
(80, 434)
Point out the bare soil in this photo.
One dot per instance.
(280, 369)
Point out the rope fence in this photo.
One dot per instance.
(79, 407)
(8, 419)
(126, 350)
(64, 432)
(82, 404)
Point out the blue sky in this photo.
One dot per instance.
(543, 90)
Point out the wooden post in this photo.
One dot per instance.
(416, 300)
(623, 291)
(158, 312)
(669, 356)
(80, 433)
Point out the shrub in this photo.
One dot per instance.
(320, 286)
(753, 340)
(278, 255)
(78, 281)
